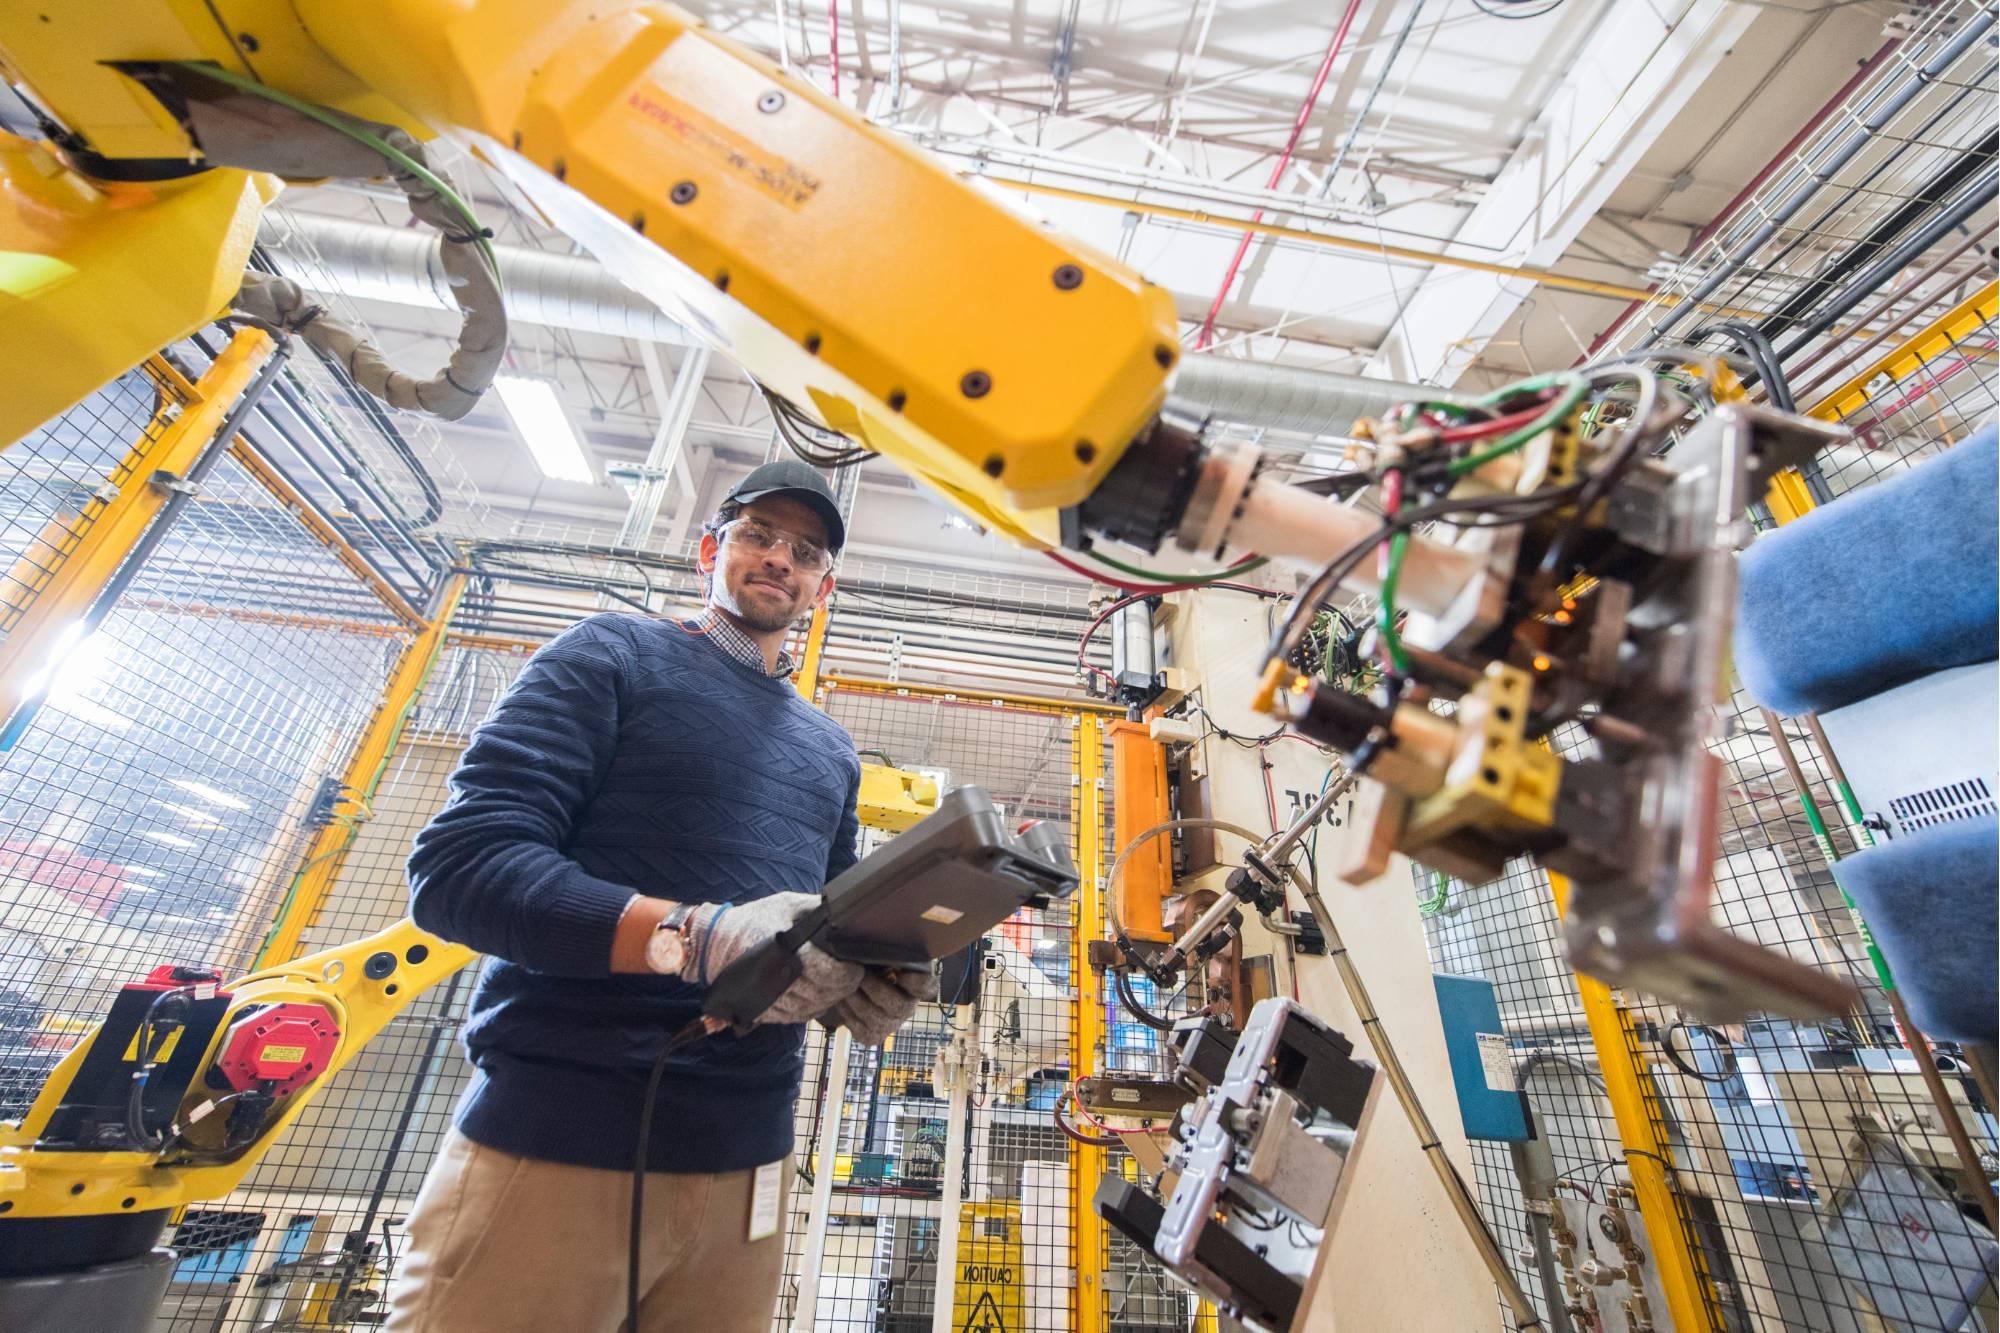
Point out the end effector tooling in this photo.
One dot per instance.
(1588, 582)
(1259, 1167)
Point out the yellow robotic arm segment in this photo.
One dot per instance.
(893, 799)
(68, 57)
(349, 993)
(843, 268)
(95, 276)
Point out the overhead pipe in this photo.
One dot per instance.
(833, 43)
(1941, 185)
(1207, 334)
(1976, 199)
(1289, 398)
(1884, 310)
(383, 263)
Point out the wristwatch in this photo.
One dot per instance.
(667, 950)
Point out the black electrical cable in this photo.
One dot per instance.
(1139, 1011)
(1674, 1057)
(1762, 354)
(1247, 742)
(798, 430)
(694, 1031)
(1928, 196)
(146, 1058)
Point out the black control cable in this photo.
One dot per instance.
(693, 1032)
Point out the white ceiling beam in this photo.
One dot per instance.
(1625, 88)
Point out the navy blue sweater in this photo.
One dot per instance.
(630, 756)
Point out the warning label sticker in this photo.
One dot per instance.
(985, 1316)
(1497, 1061)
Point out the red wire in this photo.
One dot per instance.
(1479, 430)
(1135, 592)
(1152, 589)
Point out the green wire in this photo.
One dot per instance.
(1574, 388)
(1883, 976)
(343, 125)
(1241, 567)
(1408, 410)
(1385, 608)
(1440, 895)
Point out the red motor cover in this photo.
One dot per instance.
(279, 1049)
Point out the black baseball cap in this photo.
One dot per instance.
(802, 482)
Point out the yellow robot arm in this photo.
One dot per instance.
(331, 1003)
(1002, 363)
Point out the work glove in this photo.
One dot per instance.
(721, 933)
(885, 1000)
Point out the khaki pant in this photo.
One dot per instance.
(499, 1243)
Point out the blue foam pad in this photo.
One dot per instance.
(1878, 588)
(1930, 898)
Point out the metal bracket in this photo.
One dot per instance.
(172, 483)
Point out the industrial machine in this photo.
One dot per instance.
(1583, 578)
(1540, 557)
(1260, 1165)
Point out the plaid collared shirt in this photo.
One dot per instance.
(732, 640)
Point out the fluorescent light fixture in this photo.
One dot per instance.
(194, 815)
(210, 794)
(140, 871)
(543, 426)
(170, 839)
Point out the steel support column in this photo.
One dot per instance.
(1087, 1023)
(807, 679)
(833, 1097)
(327, 853)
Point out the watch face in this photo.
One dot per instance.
(666, 951)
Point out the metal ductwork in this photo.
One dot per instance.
(379, 263)
(382, 263)
(1311, 402)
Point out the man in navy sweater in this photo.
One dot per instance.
(649, 801)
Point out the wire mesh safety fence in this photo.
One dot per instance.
(314, 1235)
(939, 627)
(400, 457)
(1933, 393)
(315, 1231)
(153, 806)
(890, 1131)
